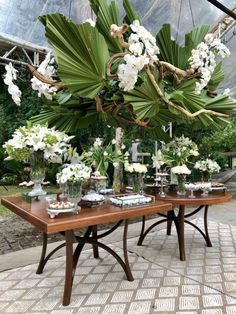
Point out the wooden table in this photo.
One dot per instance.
(65, 224)
(202, 202)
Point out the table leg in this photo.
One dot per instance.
(69, 237)
(95, 247)
(126, 259)
(169, 223)
(43, 254)
(180, 231)
(207, 238)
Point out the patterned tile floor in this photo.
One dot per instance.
(205, 284)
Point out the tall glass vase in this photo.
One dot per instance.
(74, 193)
(37, 173)
(137, 182)
(181, 184)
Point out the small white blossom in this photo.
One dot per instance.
(91, 22)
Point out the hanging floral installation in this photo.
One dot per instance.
(116, 68)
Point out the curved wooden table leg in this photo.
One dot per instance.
(43, 254)
(180, 232)
(169, 223)
(126, 259)
(208, 241)
(69, 237)
(95, 247)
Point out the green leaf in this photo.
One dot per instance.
(131, 14)
(216, 78)
(172, 52)
(65, 120)
(107, 14)
(144, 99)
(81, 53)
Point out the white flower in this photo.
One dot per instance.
(98, 142)
(73, 173)
(27, 140)
(183, 169)
(113, 141)
(202, 59)
(122, 146)
(135, 167)
(91, 22)
(105, 153)
(226, 92)
(13, 90)
(207, 165)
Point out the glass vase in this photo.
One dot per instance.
(137, 182)
(181, 184)
(37, 173)
(74, 193)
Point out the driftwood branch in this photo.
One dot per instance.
(111, 61)
(117, 32)
(168, 102)
(44, 79)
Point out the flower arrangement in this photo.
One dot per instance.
(207, 167)
(181, 170)
(73, 173)
(135, 168)
(132, 76)
(179, 151)
(100, 155)
(27, 140)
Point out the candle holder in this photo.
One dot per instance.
(160, 176)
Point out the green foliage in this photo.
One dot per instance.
(80, 66)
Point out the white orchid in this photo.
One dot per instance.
(13, 90)
(203, 59)
(143, 50)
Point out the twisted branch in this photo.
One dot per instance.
(168, 102)
(111, 61)
(45, 79)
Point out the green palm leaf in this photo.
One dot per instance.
(81, 53)
(172, 52)
(107, 14)
(131, 15)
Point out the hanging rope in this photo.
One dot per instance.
(180, 9)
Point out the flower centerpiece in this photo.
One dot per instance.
(100, 155)
(73, 176)
(41, 146)
(207, 167)
(181, 172)
(136, 172)
(178, 154)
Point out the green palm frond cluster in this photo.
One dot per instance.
(82, 53)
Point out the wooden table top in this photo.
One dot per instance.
(36, 214)
(210, 199)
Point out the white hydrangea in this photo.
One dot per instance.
(203, 61)
(47, 69)
(183, 169)
(135, 168)
(143, 49)
(9, 77)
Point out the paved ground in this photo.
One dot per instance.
(205, 283)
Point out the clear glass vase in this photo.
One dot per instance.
(181, 184)
(74, 193)
(136, 181)
(37, 173)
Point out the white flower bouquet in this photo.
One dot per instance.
(73, 173)
(135, 168)
(100, 155)
(181, 170)
(30, 139)
(207, 167)
(179, 151)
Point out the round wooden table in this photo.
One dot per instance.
(202, 202)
